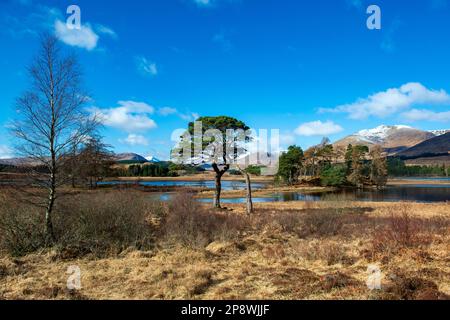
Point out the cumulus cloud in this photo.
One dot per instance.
(146, 67)
(426, 115)
(135, 140)
(318, 128)
(84, 37)
(392, 101)
(129, 116)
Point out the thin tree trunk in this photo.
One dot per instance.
(249, 193)
(49, 232)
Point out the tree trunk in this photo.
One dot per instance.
(219, 174)
(49, 232)
(218, 191)
(249, 193)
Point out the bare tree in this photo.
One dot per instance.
(50, 121)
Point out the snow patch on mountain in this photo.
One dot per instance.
(438, 133)
(378, 134)
(152, 159)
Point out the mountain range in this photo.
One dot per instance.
(393, 139)
(134, 157)
(437, 146)
(405, 142)
(399, 140)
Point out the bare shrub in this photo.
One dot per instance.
(401, 230)
(21, 229)
(105, 223)
(290, 221)
(98, 224)
(330, 252)
(322, 223)
(189, 223)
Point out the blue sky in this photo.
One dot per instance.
(308, 68)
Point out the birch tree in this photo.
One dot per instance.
(51, 119)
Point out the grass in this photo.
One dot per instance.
(293, 250)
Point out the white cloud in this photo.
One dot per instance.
(129, 116)
(134, 140)
(166, 111)
(146, 66)
(318, 128)
(100, 28)
(426, 115)
(391, 101)
(5, 152)
(84, 37)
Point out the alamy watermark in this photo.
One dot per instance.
(73, 22)
(374, 20)
(374, 277)
(74, 279)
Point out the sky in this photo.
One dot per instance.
(308, 68)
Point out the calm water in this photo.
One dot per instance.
(416, 193)
(226, 185)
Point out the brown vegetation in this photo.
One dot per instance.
(129, 247)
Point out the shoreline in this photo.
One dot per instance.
(270, 179)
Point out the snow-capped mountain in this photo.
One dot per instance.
(438, 133)
(129, 157)
(392, 138)
(152, 159)
(379, 134)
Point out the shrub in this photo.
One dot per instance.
(21, 229)
(401, 230)
(322, 223)
(98, 224)
(191, 224)
(104, 223)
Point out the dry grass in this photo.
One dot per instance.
(284, 251)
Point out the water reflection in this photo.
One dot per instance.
(226, 185)
(390, 194)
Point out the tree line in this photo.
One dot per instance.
(323, 164)
(398, 168)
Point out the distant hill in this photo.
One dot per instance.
(130, 157)
(19, 162)
(437, 146)
(393, 139)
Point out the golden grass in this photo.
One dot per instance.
(265, 263)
